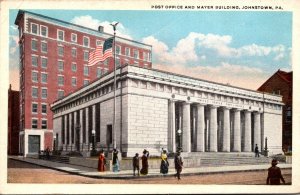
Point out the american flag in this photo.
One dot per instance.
(101, 53)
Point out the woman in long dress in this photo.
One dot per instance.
(101, 162)
(115, 162)
(144, 170)
(164, 166)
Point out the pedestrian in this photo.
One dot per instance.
(144, 170)
(115, 161)
(274, 174)
(47, 153)
(164, 165)
(178, 164)
(136, 164)
(256, 151)
(101, 162)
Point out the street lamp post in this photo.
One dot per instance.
(93, 152)
(179, 137)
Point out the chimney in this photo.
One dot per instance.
(101, 29)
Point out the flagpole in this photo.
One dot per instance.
(115, 88)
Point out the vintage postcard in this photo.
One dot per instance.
(144, 96)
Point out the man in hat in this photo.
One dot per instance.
(136, 164)
(274, 174)
(178, 164)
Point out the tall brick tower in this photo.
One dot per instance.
(53, 63)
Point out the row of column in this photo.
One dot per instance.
(70, 128)
(212, 129)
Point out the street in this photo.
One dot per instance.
(21, 172)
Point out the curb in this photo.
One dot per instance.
(142, 176)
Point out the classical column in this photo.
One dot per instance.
(213, 135)
(172, 130)
(66, 141)
(226, 130)
(237, 131)
(75, 127)
(87, 125)
(247, 138)
(257, 130)
(200, 146)
(81, 127)
(186, 127)
(70, 129)
(94, 120)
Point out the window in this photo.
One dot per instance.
(98, 42)
(61, 80)
(99, 72)
(135, 54)
(105, 62)
(60, 94)
(60, 35)
(146, 56)
(34, 76)
(44, 124)
(289, 114)
(74, 67)
(34, 108)
(60, 65)
(44, 93)
(34, 92)
(85, 82)
(44, 77)
(44, 31)
(118, 62)
(74, 81)
(34, 61)
(85, 55)
(74, 52)
(86, 70)
(276, 92)
(86, 41)
(118, 49)
(34, 45)
(34, 28)
(60, 50)
(34, 123)
(44, 108)
(44, 47)
(127, 51)
(44, 62)
(74, 37)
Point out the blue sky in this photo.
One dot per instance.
(228, 47)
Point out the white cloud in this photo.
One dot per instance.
(193, 54)
(14, 45)
(90, 22)
(235, 75)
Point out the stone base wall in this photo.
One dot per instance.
(147, 124)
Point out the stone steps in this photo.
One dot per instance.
(61, 159)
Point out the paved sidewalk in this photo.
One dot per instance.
(124, 174)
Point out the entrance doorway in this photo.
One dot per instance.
(33, 143)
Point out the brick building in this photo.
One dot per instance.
(281, 83)
(13, 122)
(53, 63)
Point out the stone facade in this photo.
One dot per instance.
(152, 105)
